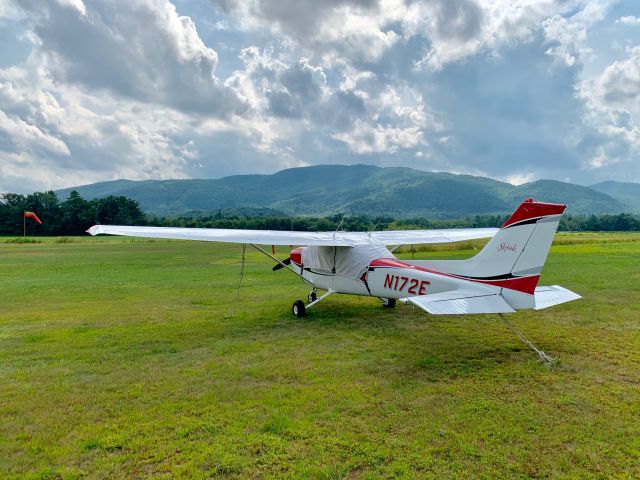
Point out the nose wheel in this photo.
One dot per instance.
(299, 309)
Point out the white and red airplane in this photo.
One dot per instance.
(501, 278)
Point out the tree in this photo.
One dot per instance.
(78, 214)
(118, 211)
(12, 207)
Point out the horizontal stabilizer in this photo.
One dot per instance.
(459, 302)
(554, 295)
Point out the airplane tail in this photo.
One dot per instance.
(514, 257)
(519, 249)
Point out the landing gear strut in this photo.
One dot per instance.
(388, 302)
(299, 309)
(313, 296)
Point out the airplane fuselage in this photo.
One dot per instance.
(384, 278)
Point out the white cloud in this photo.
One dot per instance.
(141, 49)
(47, 126)
(360, 31)
(355, 28)
(292, 100)
(76, 4)
(29, 137)
(396, 119)
(612, 100)
(10, 10)
(520, 178)
(629, 20)
(367, 138)
(619, 84)
(567, 38)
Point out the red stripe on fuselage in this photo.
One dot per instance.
(521, 284)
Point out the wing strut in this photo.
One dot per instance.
(280, 262)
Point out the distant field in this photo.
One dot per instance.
(130, 358)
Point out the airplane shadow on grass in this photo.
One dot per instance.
(407, 343)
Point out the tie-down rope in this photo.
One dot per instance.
(543, 356)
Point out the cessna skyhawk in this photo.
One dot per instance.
(501, 278)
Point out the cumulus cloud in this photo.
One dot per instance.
(352, 27)
(29, 137)
(10, 10)
(366, 138)
(619, 84)
(612, 100)
(110, 90)
(395, 119)
(362, 31)
(566, 37)
(46, 126)
(140, 49)
(629, 20)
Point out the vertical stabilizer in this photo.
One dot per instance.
(520, 247)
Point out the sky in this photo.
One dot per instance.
(516, 90)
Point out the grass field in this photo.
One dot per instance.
(123, 358)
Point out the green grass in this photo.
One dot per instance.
(129, 358)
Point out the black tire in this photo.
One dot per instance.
(312, 297)
(389, 302)
(298, 308)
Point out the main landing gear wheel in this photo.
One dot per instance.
(388, 302)
(298, 308)
(312, 296)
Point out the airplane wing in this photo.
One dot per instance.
(408, 237)
(274, 237)
(459, 302)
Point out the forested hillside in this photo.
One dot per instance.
(354, 190)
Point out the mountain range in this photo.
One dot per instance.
(362, 189)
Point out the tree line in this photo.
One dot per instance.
(592, 223)
(75, 215)
(72, 216)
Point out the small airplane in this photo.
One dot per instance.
(501, 278)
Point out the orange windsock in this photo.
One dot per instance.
(33, 217)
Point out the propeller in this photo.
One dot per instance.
(278, 266)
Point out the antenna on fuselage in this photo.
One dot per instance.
(374, 227)
(338, 227)
(335, 249)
